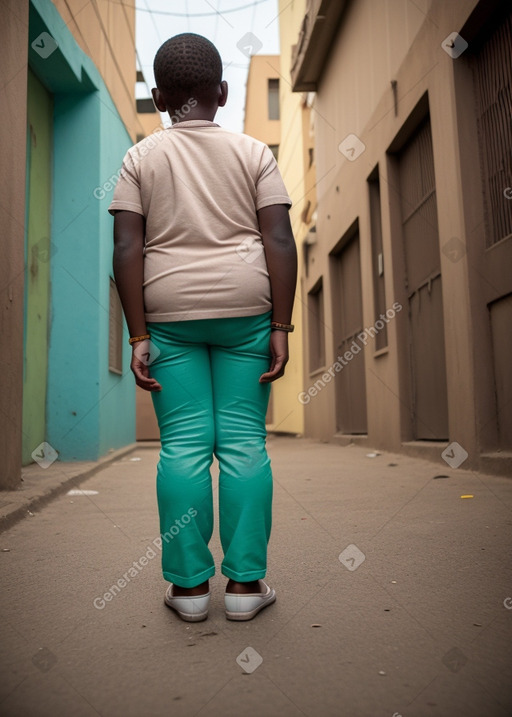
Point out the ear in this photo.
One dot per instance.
(223, 93)
(158, 99)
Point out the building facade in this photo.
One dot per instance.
(69, 115)
(408, 287)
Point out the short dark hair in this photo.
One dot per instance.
(187, 63)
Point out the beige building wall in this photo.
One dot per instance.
(385, 72)
(285, 412)
(262, 68)
(105, 31)
(363, 61)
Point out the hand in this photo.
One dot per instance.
(279, 354)
(140, 366)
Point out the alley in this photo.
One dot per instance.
(394, 598)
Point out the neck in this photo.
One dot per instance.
(192, 110)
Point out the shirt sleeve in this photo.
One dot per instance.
(127, 191)
(270, 187)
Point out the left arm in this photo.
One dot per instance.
(281, 258)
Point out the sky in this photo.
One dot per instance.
(238, 28)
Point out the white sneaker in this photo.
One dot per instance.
(191, 608)
(245, 607)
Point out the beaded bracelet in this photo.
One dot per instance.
(133, 339)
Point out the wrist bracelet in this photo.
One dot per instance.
(134, 339)
(277, 325)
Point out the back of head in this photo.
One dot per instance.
(188, 65)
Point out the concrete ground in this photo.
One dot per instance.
(394, 598)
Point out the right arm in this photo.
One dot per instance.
(128, 264)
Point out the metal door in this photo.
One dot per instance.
(423, 285)
(492, 72)
(146, 426)
(348, 323)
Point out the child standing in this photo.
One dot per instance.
(206, 266)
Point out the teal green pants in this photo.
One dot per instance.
(212, 404)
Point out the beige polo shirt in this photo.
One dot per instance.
(199, 187)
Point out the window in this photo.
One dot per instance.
(273, 99)
(316, 327)
(115, 335)
(379, 292)
(274, 148)
(311, 156)
(145, 105)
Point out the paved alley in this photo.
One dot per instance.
(394, 598)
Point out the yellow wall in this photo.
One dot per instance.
(286, 413)
(105, 31)
(297, 123)
(150, 122)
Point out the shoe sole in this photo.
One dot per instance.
(252, 613)
(188, 616)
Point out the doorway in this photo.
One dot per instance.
(423, 287)
(350, 382)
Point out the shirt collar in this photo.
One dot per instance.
(194, 123)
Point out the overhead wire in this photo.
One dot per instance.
(151, 14)
(198, 14)
(216, 12)
(188, 16)
(216, 27)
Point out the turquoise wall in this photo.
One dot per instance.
(89, 409)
